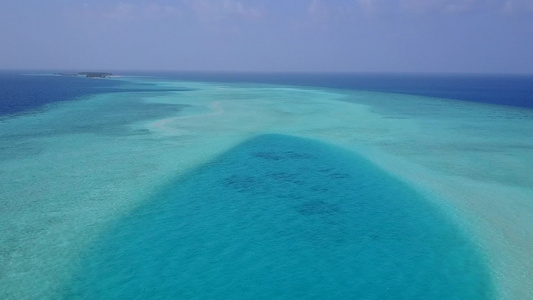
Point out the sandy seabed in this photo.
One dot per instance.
(72, 170)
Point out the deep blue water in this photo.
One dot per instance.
(20, 93)
(280, 217)
(510, 90)
(23, 93)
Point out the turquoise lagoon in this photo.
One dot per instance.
(225, 190)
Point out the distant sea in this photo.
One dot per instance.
(266, 186)
(21, 92)
(511, 90)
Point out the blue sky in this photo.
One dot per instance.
(473, 36)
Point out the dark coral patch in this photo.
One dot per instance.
(241, 183)
(318, 207)
(282, 155)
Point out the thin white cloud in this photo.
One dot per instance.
(371, 6)
(324, 13)
(517, 6)
(320, 11)
(315, 8)
(123, 11)
(385, 7)
(217, 10)
(438, 6)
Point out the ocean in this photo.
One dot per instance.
(265, 186)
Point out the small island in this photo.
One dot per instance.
(88, 74)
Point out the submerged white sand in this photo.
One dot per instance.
(474, 161)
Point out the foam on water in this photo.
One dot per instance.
(73, 172)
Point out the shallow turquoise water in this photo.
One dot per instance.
(283, 217)
(96, 189)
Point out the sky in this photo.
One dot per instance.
(430, 36)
